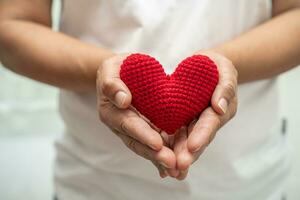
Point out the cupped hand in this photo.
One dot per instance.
(114, 99)
(191, 141)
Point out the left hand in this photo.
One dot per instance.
(191, 141)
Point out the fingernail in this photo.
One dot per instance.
(223, 105)
(120, 98)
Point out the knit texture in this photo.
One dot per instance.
(170, 101)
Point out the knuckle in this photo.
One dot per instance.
(125, 123)
(208, 131)
(215, 119)
(229, 87)
(210, 134)
(105, 112)
(131, 144)
(145, 155)
(107, 85)
(218, 123)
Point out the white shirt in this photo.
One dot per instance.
(246, 161)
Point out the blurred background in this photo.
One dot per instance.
(29, 124)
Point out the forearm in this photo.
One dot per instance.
(41, 54)
(267, 50)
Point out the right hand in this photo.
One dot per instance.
(115, 110)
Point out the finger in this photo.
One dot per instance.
(182, 175)
(161, 169)
(144, 118)
(171, 140)
(164, 172)
(164, 157)
(204, 130)
(184, 157)
(110, 83)
(165, 138)
(226, 88)
(191, 126)
(168, 141)
(173, 172)
(129, 123)
(184, 160)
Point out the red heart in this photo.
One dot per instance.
(170, 101)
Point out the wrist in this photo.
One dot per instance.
(92, 65)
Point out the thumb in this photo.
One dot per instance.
(110, 84)
(226, 89)
(222, 97)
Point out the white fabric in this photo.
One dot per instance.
(247, 160)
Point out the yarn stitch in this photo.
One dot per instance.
(170, 101)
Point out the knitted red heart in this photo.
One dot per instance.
(170, 101)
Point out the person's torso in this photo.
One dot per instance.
(247, 151)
